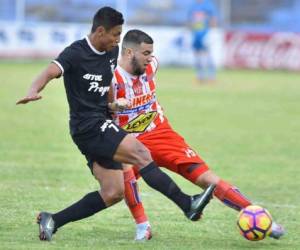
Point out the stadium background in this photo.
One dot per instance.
(253, 33)
(246, 125)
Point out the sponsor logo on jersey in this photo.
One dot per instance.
(141, 100)
(139, 104)
(137, 88)
(137, 109)
(140, 123)
(95, 85)
(92, 77)
(112, 68)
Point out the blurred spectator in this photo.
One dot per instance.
(203, 16)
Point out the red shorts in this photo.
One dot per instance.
(169, 150)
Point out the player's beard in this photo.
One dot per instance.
(136, 68)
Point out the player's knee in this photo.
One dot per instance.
(118, 195)
(112, 195)
(142, 156)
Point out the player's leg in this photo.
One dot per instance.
(200, 58)
(170, 150)
(135, 205)
(232, 197)
(132, 196)
(131, 151)
(111, 184)
(209, 65)
(200, 65)
(112, 189)
(225, 192)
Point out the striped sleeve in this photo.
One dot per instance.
(154, 65)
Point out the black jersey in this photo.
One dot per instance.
(87, 78)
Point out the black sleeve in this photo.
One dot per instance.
(67, 59)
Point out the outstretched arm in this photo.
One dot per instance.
(51, 72)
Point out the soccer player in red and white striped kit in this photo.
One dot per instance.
(136, 109)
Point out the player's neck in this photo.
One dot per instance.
(93, 40)
(126, 66)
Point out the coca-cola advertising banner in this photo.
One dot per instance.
(262, 50)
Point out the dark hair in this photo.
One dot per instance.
(137, 37)
(108, 18)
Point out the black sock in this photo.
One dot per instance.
(87, 206)
(161, 182)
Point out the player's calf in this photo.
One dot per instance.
(231, 196)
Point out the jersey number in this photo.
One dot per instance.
(109, 124)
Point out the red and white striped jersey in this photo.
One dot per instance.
(144, 113)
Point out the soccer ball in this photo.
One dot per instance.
(254, 223)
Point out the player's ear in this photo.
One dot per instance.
(100, 30)
(129, 52)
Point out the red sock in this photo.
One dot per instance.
(132, 197)
(230, 196)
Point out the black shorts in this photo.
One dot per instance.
(100, 144)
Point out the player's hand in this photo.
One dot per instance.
(29, 98)
(119, 105)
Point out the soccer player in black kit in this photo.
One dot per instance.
(87, 66)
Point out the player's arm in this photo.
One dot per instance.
(114, 104)
(51, 72)
(119, 105)
(111, 94)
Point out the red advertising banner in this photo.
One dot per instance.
(262, 50)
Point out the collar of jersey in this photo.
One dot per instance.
(93, 48)
(127, 74)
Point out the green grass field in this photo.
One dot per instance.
(246, 126)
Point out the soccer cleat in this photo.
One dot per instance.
(199, 202)
(46, 226)
(277, 231)
(143, 232)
